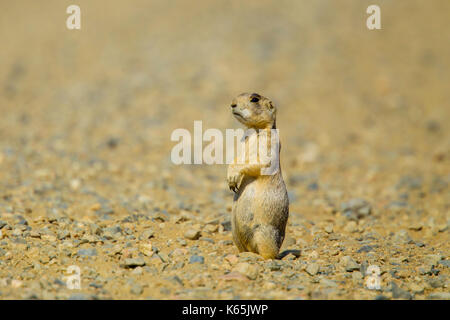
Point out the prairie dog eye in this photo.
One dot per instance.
(254, 99)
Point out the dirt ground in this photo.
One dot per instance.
(86, 177)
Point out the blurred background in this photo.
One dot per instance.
(354, 104)
(87, 115)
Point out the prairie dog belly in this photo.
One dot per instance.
(262, 201)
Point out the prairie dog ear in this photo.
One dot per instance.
(270, 105)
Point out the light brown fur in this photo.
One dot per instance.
(260, 206)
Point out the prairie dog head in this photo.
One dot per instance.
(254, 111)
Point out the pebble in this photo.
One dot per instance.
(402, 237)
(196, 259)
(356, 208)
(234, 275)
(365, 249)
(136, 289)
(349, 264)
(133, 262)
(211, 228)
(273, 266)
(410, 182)
(87, 252)
(439, 296)
(312, 269)
(416, 288)
(433, 259)
(351, 227)
(232, 259)
(445, 263)
(399, 293)
(147, 234)
(289, 241)
(416, 226)
(328, 283)
(329, 228)
(146, 249)
(251, 271)
(79, 296)
(192, 234)
(436, 282)
(226, 225)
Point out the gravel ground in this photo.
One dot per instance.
(85, 172)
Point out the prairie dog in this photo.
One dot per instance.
(260, 205)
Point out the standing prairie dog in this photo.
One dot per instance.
(260, 205)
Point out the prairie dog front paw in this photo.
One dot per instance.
(234, 178)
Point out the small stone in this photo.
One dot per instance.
(232, 259)
(16, 284)
(34, 234)
(87, 252)
(436, 283)
(351, 227)
(356, 209)
(147, 234)
(95, 229)
(226, 225)
(211, 228)
(312, 269)
(225, 242)
(420, 244)
(328, 283)
(207, 239)
(48, 237)
(79, 296)
(402, 236)
(95, 207)
(192, 234)
(179, 252)
(313, 255)
(329, 228)
(416, 288)
(273, 265)
(95, 285)
(357, 276)
(439, 296)
(289, 241)
(75, 184)
(445, 263)
(137, 289)
(349, 264)
(250, 256)
(416, 227)
(146, 249)
(269, 285)
(249, 270)
(399, 293)
(365, 249)
(433, 259)
(133, 262)
(196, 259)
(234, 275)
(63, 234)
